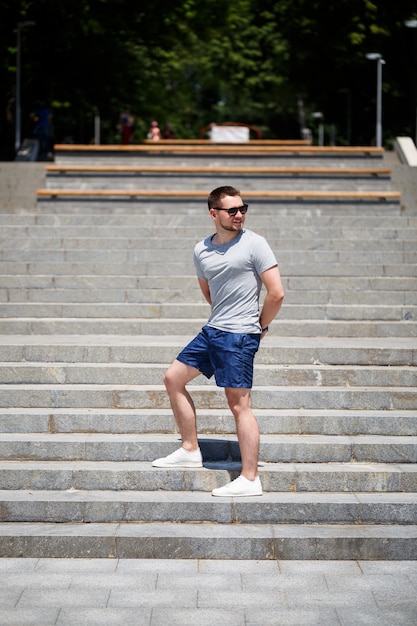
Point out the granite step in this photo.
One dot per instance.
(374, 288)
(202, 226)
(166, 328)
(201, 181)
(30, 222)
(205, 396)
(327, 422)
(379, 351)
(293, 242)
(165, 206)
(146, 447)
(144, 373)
(121, 476)
(366, 278)
(81, 506)
(147, 316)
(328, 261)
(336, 252)
(373, 306)
(195, 159)
(209, 541)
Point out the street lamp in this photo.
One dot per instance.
(375, 56)
(413, 24)
(20, 26)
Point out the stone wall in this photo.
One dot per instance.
(18, 184)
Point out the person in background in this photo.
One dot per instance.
(154, 131)
(126, 126)
(231, 265)
(43, 130)
(168, 132)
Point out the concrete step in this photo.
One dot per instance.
(80, 506)
(201, 227)
(129, 291)
(200, 181)
(17, 315)
(122, 476)
(115, 294)
(210, 421)
(158, 283)
(144, 373)
(160, 172)
(146, 447)
(376, 271)
(169, 327)
(386, 206)
(205, 396)
(215, 155)
(209, 541)
(283, 237)
(334, 253)
(30, 222)
(62, 349)
(303, 277)
(85, 261)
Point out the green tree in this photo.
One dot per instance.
(193, 62)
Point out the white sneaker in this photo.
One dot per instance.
(241, 486)
(180, 458)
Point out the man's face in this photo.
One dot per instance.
(225, 221)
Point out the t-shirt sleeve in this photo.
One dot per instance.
(264, 257)
(197, 264)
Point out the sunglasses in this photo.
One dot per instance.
(232, 212)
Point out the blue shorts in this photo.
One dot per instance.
(229, 356)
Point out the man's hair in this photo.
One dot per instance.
(219, 193)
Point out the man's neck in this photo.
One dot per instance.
(223, 237)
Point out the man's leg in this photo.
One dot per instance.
(248, 483)
(176, 377)
(247, 430)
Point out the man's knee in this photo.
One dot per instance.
(238, 400)
(169, 378)
(178, 375)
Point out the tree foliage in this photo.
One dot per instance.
(193, 62)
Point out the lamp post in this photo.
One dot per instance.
(20, 26)
(413, 24)
(375, 56)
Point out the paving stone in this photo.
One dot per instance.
(87, 616)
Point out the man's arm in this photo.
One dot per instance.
(204, 286)
(274, 295)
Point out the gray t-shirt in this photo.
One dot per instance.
(232, 271)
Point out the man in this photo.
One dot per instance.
(231, 267)
(43, 131)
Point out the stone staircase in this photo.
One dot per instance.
(97, 296)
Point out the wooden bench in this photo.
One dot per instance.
(205, 142)
(151, 169)
(258, 149)
(293, 194)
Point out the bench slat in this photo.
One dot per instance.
(102, 169)
(257, 149)
(190, 194)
